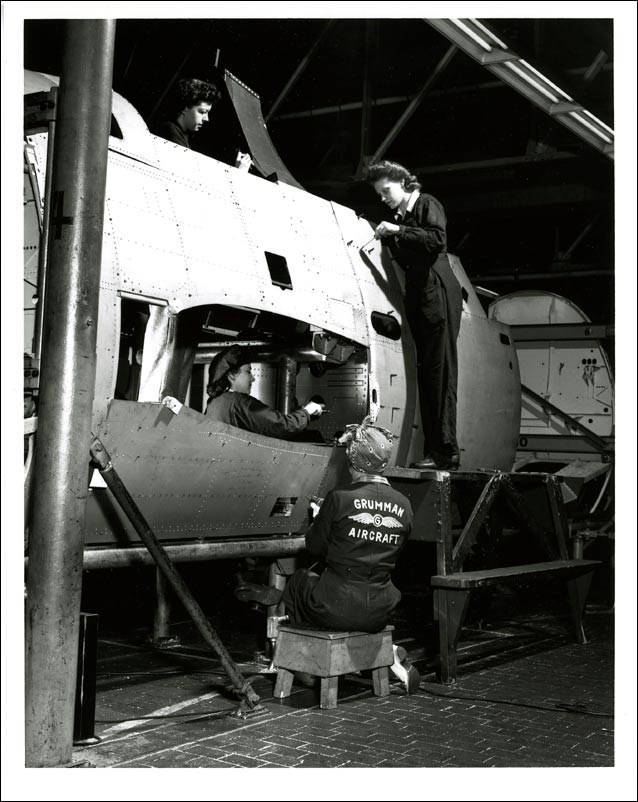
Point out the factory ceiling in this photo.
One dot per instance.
(529, 201)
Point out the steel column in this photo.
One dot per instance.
(85, 692)
(287, 384)
(68, 378)
(276, 612)
(366, 102)
(162, 617)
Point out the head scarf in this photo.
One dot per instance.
(368, 447)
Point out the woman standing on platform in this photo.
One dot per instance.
(417, 241)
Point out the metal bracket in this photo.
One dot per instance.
(245, 711)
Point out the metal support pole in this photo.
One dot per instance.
(162, 619)
(85, 692)
(54, 580)
(277, 612)
(244, 689)
(366, 97)
(224, 549)
(287, 384)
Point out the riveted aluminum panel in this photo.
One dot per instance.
(193, 478)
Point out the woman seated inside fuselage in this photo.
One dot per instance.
(230, 400)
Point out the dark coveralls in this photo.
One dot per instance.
(171, 131)
(247, 412)
(433, 304)
(359, 532)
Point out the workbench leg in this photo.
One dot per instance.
(452, 606)
(329, 687)
(577, 590)
(380, 681)
(283, 685)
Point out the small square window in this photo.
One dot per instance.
(278, 268)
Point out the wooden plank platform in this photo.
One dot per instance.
(475, 579)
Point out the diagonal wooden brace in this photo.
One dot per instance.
(243, 688)
(475, 522)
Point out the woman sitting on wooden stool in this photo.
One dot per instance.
(358, 532)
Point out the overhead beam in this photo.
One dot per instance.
(355, 105)
(561, 275)
(475, 39)
(414, 104)
(544, 195)
(300, 68)
(490, 164)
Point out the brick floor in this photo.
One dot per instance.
(522, 701)
(539, 703)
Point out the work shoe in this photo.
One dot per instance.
(404, 671)
(262, 594)
(427, 463)
(450, 463)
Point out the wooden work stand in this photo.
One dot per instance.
(533, 500)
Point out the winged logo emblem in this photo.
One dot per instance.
(377, 520)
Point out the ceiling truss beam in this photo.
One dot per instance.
(475, 39)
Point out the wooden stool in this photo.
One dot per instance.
(328, 655)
